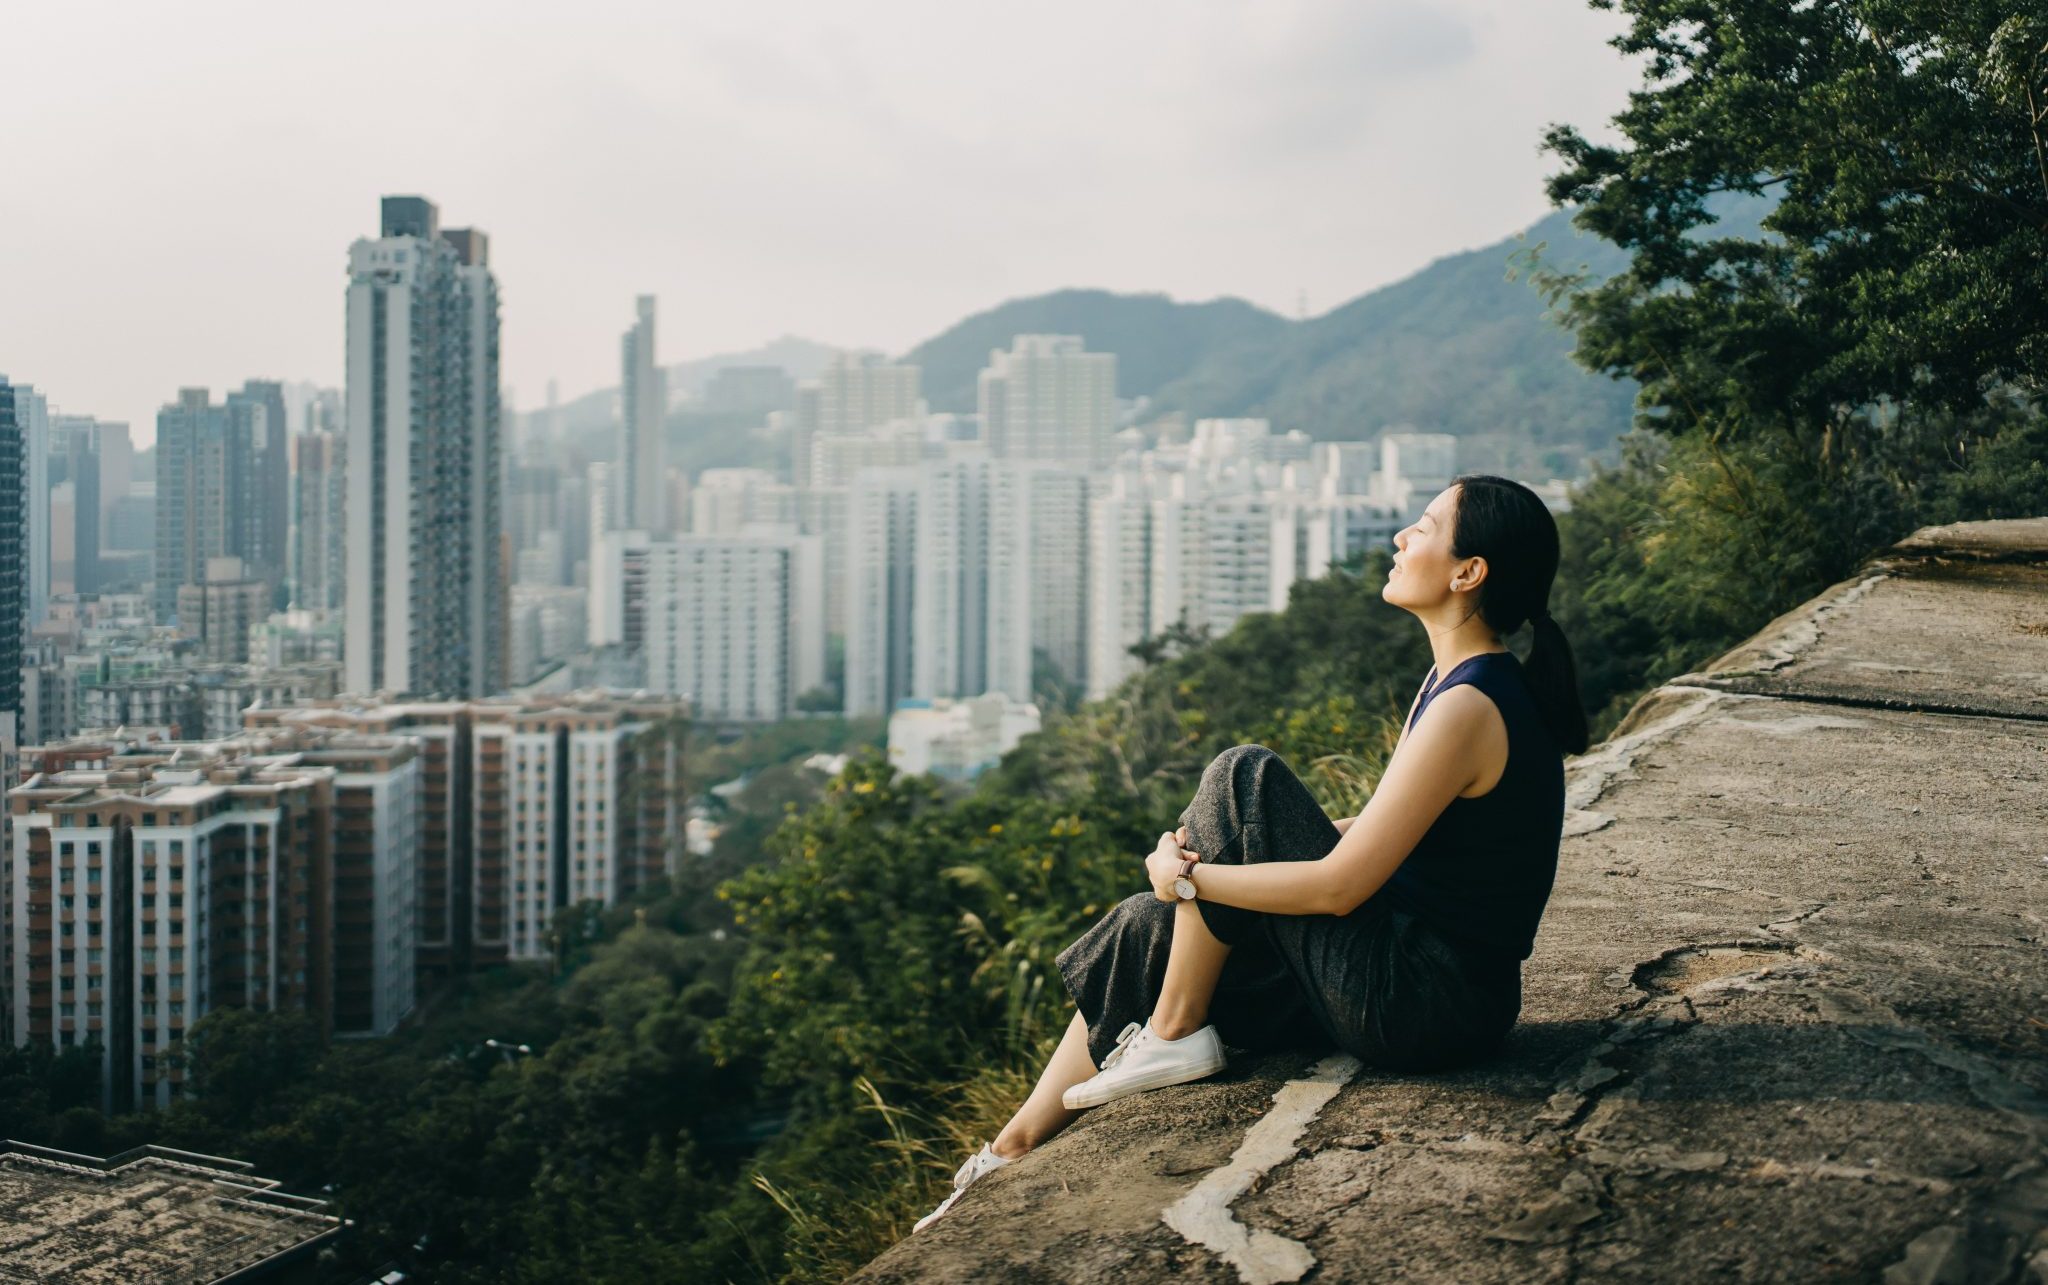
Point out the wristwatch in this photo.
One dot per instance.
(1184, 882)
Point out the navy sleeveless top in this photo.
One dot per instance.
(1480, 876)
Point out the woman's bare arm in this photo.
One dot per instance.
(1417, 786)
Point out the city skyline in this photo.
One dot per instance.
(682, 163)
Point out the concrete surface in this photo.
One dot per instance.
(1787, 1018)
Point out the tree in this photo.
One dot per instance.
(1905, 143)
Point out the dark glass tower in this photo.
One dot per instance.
(13, 561)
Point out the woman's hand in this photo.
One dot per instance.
(1163, 866)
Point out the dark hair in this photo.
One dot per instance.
(1505, 523)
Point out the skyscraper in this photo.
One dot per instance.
(426, 584)
(32, 422)
(266, 525)
(203, 466)
(321, 555)
(78, 441)
(854, 393)
(14, 540)
(1048, 398)
(882, 541)
(643, 404)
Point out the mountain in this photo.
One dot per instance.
(1456, 348)
(1156, 340)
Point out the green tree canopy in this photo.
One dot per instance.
(1906, 259)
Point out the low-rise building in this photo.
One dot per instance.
(957, 739)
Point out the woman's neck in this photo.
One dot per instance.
(1454, 647)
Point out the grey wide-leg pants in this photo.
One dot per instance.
(1375, 983)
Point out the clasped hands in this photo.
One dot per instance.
(1163, 866)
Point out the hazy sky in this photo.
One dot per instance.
(183, 180)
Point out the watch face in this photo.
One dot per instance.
(1184, 889)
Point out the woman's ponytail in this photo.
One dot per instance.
(1508, 524)
(1554, 684)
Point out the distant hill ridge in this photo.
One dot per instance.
(1457, 347)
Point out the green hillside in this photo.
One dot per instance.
(1456, 348)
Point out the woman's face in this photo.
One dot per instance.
(1425, 573)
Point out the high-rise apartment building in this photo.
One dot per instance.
(156, 881)
(479, 820)
(725, 501)
(320, 551)
(880, 588)
(1048, 398)
(1037, 574)
(1207, 530)
(427, 584)
(93, 457)
(576, 800)
(32, 423)
(734, 624)
(855, 392)
(220, 610)
(950, 595)
(15, 555)
(206, 472)
(643, 408)
(266, 522)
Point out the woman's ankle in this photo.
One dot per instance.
(1177, 1026)
(1010, 1147)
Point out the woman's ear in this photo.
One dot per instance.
(1471, 575)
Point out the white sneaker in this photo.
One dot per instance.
(983, 1161)
(1142, 1059)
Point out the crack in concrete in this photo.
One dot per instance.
(1804, 630)
(1741, 683)
(1203, 1216)
(1779, 925)
(1590, 774)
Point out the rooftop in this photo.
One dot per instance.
(153, 1214)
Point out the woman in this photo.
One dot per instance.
(1396, 935)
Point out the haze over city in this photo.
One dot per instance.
(860, 178)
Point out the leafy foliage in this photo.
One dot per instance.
(1907, 255)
